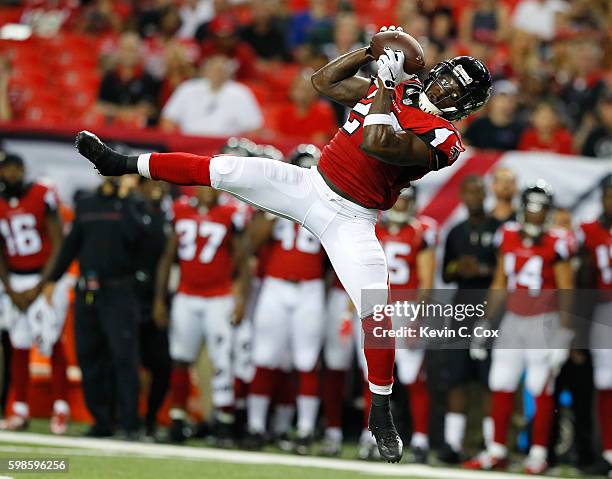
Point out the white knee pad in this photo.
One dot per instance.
(408, 363)
(501, 377)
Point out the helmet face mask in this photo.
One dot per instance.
(305, 156)
(404, 209)
(536, 206)
(455, 88)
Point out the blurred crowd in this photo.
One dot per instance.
(223, 67)
(160, 272)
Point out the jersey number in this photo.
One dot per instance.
(302, 240)
(604, 253)
(188, 232)
(399, 269)
(529, 276)
(358, 113)
(20, 235)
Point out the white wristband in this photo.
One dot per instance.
(143, 165)
(377, 119)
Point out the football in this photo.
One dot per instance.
(414, 57)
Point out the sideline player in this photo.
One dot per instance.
(534, 267)
(289, 317)
(409, 243)
(398, 131)
(596, 240)
(209, 248)
(31, 232)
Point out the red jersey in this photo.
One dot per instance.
(371, 182)
(205, 260)
(402, 247)
(295, 253)
(597, 240)
(529, 268)
(23, 227)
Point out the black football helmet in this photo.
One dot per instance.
(456, 88)
(305, 155)
(535, 198)
(238, 147)
(268, 151)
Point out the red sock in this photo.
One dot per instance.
(309, 383)
(419, 406)
(179, 385)
(542, 420)
(379, 351)
(286, 389)
(59, 378)
(605, 418)
(20, 374)
(367, 404)
(501, 412)
(333, 394)
(180, 168)
(264, 382)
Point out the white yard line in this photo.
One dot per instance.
(109, 447)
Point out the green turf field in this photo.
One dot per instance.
(99, 458)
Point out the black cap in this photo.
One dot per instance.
(11, 159)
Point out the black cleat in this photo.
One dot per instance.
(106, 160)
(178, 431)
(599, 468)
(419, 455)
(254, 441)
(381, 425)
(448, 455)
(303, 445)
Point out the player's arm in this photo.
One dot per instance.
(426, 266)
(260, 229)
(56, 238)
(18, 299)
(160, 309)
(497, 291)
(564, 279)
(241, 253)
(68, 251)
(338, 81)
(382, 142)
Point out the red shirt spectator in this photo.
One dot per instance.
(306, 116)
(560, 141)
(546, 134)
(224, 40)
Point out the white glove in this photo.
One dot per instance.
(391, 68)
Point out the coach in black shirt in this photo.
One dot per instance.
(470, 257)
(104, 238)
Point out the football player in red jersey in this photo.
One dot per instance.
(206, 240)
(289, 317)
(398, 131)
(534, 268)
(595, 238)
(409, 244)
(31, 232)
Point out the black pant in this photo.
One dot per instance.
(106, 333)
(155, 357)
(6, 369)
